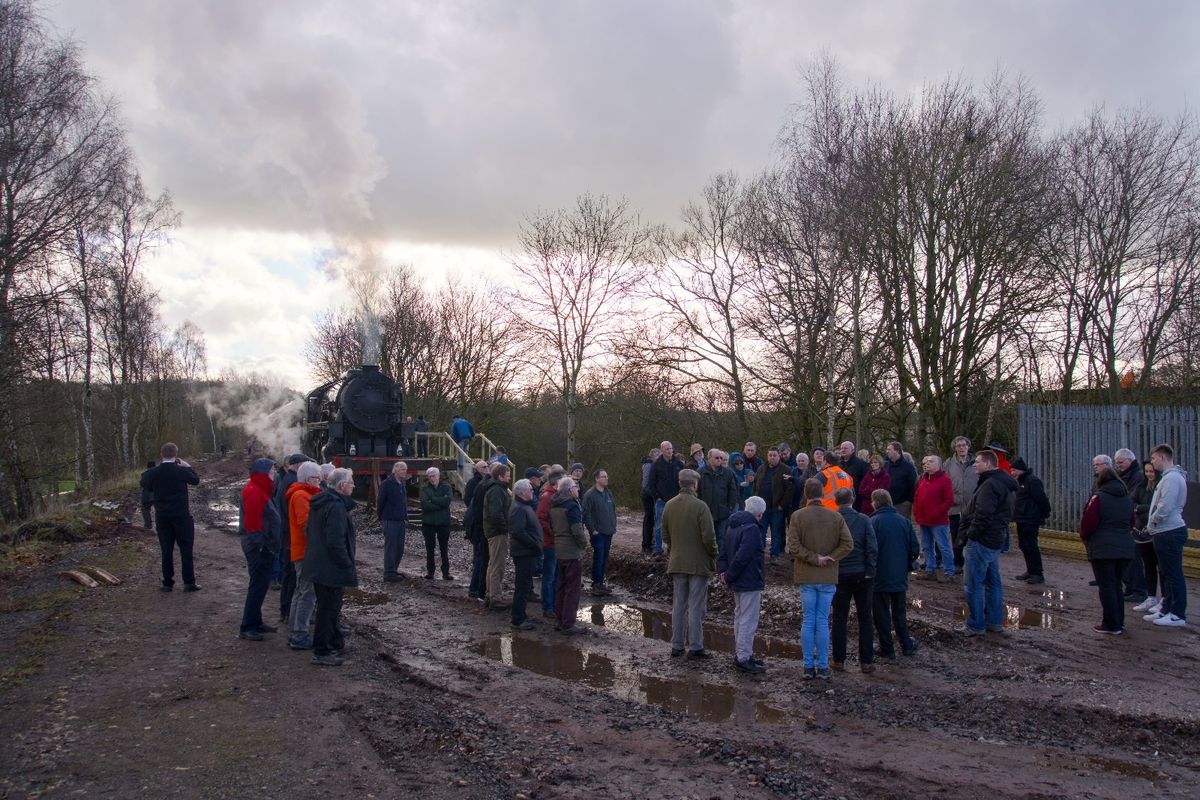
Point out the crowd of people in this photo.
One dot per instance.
(848, 520)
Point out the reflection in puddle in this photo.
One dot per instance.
(1015, 616)
(704, 701)
(1127, 768)
(654, 624)
(357, 597)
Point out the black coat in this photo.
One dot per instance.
(524, 530)
(782, 486)
(857, 469)
(147, 495)
(1032, 507)
(862, 559)
(392, 502)
(168, 482)
(1133, 477)
(474, 515)
(904, 480)
(329, 557)
(1112, 538)
(1141, 496)
(986, 517)
(664, 478)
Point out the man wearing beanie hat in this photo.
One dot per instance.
(259, 525)
(1031, 510)
(576, 473)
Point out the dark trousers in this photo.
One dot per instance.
(647, 522)
(479, 568)
(327, 636)
(566, 593)
(858, 589)
(436, 535)
(1108, 573)
(258, 564)
(422, 445)
(1150, 566)
(147, 523)
(393, 546)
(1027, 540)
(891, 614)
(1168, 545)
(287, 583)
(1135, 576)
(176, 532)
(522, 586)
(960, 560)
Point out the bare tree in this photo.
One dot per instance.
(578, 269)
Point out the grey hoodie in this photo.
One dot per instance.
(1166, 509)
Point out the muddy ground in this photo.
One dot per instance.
(126, 691)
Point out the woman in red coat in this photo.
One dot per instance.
(876, 478)
(931, 511)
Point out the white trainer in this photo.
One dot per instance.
(1147, 604)
(1170, 621)
(1152, 616)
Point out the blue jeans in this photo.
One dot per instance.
(601, 543)
(658, 509)
(937, 536)
(721, 528)
(1168, 546)
(549, 578)
(985, 596)
(258, 564)
(816, 598)
(775, 522)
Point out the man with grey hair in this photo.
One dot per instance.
(741, 565)
(960, 466)
(525, 545)
(329, 562)
(392, 509)
(326, 471)
(1130, 471)
(852, 465)
(1101, 462)
(719, 491)
(648, 514)
(690, 539)
(566, 522)
(304, 598)
(435, 520)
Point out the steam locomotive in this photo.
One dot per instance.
(363, 420)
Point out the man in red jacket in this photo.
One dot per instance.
(931, 510)
(260, 526)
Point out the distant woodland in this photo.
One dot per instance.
(903, 268)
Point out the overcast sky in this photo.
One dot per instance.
(284, 127)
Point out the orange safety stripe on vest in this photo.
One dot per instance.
(835, 478)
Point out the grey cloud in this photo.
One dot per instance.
(449, 122)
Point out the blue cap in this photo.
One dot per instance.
(262, 465)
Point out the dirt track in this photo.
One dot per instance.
(126, 691)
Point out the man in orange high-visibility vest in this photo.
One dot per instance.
(832, 478)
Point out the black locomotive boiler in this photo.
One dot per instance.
(363, 418)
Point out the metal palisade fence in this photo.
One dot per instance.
(1058, 442)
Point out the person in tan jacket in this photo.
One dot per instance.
(690, 538)
(816, 539)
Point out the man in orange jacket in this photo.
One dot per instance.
(299, 497)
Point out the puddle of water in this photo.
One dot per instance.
(654, 624)
(703, 701)
(1015, 616)
(357, 597)
(1126, 768)
(1055, 594)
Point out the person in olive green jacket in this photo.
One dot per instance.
(496, 504)
(690, 538)
(816, 539)
(435, 520)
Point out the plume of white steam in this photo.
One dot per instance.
(270, 414)
(360, 266)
